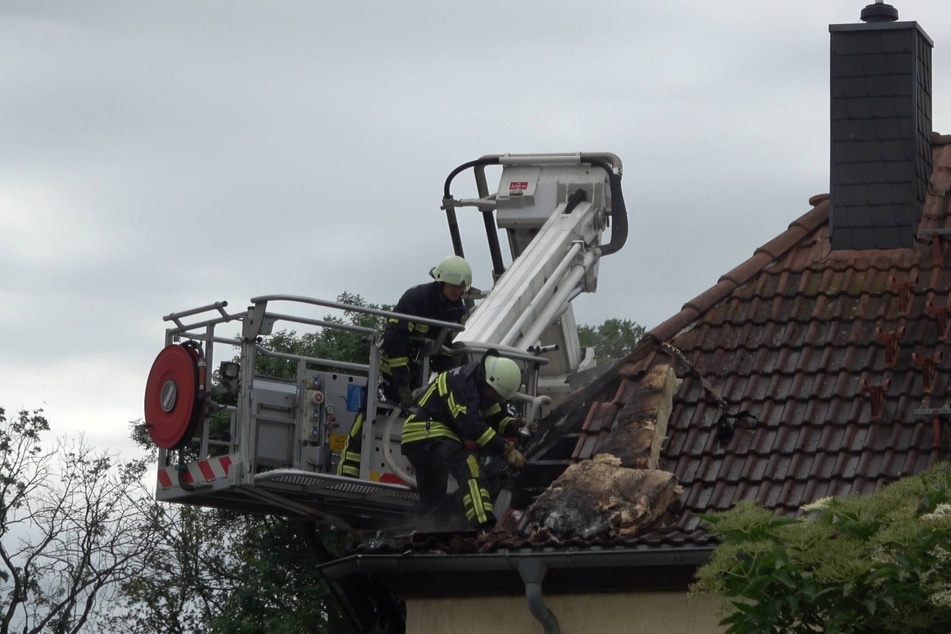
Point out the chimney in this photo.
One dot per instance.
(881, 130)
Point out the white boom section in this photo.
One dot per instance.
(554, 214)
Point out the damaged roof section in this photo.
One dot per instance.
(806, 372)
(600, 496)
(620, 490)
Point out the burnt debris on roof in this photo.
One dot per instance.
(838, 355)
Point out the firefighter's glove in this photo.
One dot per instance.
(513, 456)
(406, 396)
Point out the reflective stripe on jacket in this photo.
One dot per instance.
(397, 349)
(453, 407)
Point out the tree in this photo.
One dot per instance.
(72, 527)
(874, 563)
(288, 594)
(220, 571)
(325, 343)
(613, 339)
(187, 574)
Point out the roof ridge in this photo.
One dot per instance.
(940, 139)
(798, 229)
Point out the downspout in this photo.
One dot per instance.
(533, 572)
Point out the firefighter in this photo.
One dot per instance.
(400, 365)
(441, 300)
(452, 410)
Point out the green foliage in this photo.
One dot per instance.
(285, 592)
(613, 339)
(188, 571)
(72, 527)
(326, 343)
(875, 563)
(221, 571)
(19, 450)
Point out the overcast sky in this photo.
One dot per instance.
(160, 155)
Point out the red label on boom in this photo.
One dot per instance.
(517, 187)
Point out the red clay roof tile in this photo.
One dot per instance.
(798, 335)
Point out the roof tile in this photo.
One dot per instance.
(792, 335)
(800, 336)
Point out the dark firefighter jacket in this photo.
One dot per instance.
(398, 348)
(453, 408)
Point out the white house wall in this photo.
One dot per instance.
(645, 613)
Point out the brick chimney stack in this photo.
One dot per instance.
(881, 130)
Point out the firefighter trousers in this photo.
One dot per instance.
(349, 464)
(351, 454)
(434, 460)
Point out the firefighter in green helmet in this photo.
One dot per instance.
(440, 299)
(400, 366)
(460, 405)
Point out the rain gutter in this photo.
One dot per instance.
(531, 567)
(508, 560)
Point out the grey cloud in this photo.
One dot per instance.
(162, 155)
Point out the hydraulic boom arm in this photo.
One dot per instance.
(554, 209)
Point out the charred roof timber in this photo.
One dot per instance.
(880, 130)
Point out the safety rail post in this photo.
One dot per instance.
(301, 417)
(251, 328)
(203, 450)
(373, 390)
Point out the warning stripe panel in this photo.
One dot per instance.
(164, 479)
(206, 471)
(198, 472)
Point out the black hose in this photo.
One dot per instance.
(494, 248)
(618, 209)
(490, 160)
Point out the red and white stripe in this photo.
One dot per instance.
(200, 472)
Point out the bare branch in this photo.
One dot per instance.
(72, 527)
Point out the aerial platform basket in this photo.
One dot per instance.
(244, 440)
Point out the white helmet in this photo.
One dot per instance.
(453, 270)
(502, 375)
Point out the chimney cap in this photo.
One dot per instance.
(879, 12)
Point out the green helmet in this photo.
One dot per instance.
(502, 375)
(453, 270)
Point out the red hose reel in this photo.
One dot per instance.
(175, 395)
